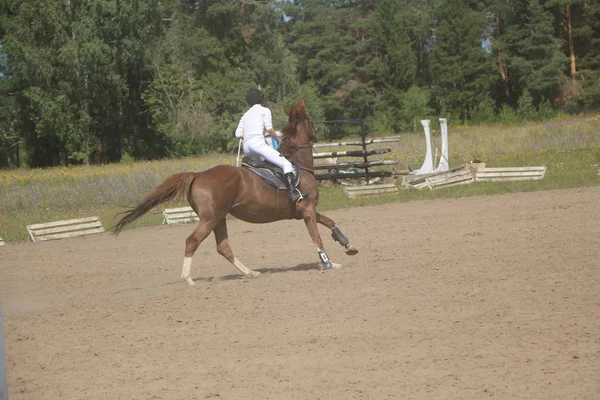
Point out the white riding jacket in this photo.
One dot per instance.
(254, 123)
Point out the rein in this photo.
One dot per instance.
(308, 145)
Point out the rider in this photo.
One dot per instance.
(251, 127)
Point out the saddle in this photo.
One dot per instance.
(269, 172)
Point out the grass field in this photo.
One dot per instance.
(569, 147)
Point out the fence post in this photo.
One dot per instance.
(3, 386)
(363, 136)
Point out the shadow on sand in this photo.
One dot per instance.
(299, 267)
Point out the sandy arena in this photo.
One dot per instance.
(495, 296)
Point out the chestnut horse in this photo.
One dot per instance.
(226, 189)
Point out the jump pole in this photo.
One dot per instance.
(3, 385)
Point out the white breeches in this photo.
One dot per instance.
(256, 147)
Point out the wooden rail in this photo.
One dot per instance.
(64, 229)
(355, 191)
(359, 142)
(180, 215)
(353, 175)
(358, 164)
(511, 174)
(351, 153)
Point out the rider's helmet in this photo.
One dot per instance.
(254, 96)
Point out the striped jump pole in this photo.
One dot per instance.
(358, 164)
(351, 153)
(359, 142)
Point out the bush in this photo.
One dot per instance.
(526, 110)
(507, 115)
(484, 113)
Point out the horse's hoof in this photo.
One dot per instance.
(189, 281)
(350, 250)
(330, 265)
(254, 274)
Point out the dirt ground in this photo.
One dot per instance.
(448, 299)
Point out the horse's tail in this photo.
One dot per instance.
(174, 187)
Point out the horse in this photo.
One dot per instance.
(225, 189)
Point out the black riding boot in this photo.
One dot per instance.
(294, 193)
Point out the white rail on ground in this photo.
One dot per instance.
(363, 190)
(64, 229)
(181, 215)
(509, 174)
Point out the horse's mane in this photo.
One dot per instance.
(295, 114)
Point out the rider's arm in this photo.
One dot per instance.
(239, 132)
(269, 125)
(273, 134)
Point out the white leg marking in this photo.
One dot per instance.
(186, 272)
(245, 270)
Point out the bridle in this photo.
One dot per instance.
(314, 138)
(308, 145)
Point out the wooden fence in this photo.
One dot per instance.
(362, 166)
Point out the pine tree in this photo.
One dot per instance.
(338, 49)
(534, 59)
(462, 71)
(405, 34)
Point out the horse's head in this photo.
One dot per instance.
(300, 127)
(298, 134)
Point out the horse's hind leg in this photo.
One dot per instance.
(336, 234)
(191, 245)
(224, 249)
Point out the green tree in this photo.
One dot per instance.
(77, 67)
(462, 70)
(338, 49)
(534, 59)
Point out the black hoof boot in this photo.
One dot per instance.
(294, 193)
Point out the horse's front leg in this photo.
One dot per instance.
(311, 224)
(336, 234)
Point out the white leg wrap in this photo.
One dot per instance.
(245, 270)
(333, 265)
(186, 272)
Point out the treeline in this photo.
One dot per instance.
(97, 81)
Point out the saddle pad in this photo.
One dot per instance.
(269, 172)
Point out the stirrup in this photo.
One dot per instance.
(295, 195)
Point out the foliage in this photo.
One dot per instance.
(87, 82)
(461, 68)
